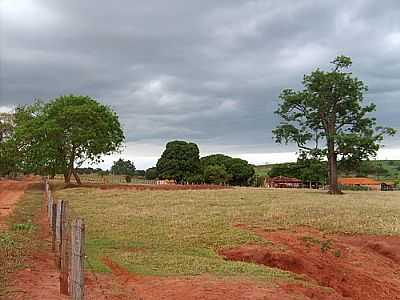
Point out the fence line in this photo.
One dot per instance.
(68, 244)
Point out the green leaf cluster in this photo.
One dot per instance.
(180, 161)
(123, 167)
(64, 133)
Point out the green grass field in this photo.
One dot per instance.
(179, 232)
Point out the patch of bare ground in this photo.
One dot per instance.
(211, 288)
(357, 267)
(10, 192)
(40, 279)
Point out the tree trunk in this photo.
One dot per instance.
(67, 177)
(78, 180)
(332, 167)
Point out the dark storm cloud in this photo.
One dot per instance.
(209, 71)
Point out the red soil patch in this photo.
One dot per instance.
(142, 187)
(356, 267)
(40, 279)
(206, 287)
(10, 192)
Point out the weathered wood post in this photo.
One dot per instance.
(50, 206)
(53, 224)
(77, 259)
(59, 232)
(65, 243)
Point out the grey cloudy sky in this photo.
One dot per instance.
(206, 71)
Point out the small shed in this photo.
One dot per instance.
(369, 183)
(283, 182)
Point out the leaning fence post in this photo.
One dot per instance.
(64, 250)
(77, 259)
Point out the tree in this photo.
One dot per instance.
(6, 126)
(179, 161)
(239, 171)
(151, 174)
(215, 174)
(305, 169)
(9, 154)
(123, 167)
(61, 135)
(327, 119)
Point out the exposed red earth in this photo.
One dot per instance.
(207, 287)
(357, 267)
(10, 192)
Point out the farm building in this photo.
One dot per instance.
(283, 182)
(369, 183)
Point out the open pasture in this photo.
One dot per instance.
(181, 232)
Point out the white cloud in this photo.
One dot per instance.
(6, 109)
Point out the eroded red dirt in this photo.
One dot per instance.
(10, 192)
(210, 288)
(356, 267)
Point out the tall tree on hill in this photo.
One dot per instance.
(64, 133)
(180, 161)
(328, 119)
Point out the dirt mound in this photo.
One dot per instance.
(356, 267)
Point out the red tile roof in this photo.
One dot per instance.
(283, 179)
(358, 181)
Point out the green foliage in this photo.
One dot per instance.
(239, 171)
(64, 133)
(328, 119)
(9, 153)
(179, 161)
(304, 169)
(6, 126)
(215, 174)
(151, 174)
(123, 167)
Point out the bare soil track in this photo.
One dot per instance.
(10, 192)
(356, 267)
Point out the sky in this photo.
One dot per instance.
(204, 71)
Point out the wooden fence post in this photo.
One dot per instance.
(60, 206)
(64, 250)
(50, 206)
(77, 259)
(53, 224)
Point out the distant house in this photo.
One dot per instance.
(371, 184)
(283, 182)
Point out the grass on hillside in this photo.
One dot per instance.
(19, 240)
(179, 232)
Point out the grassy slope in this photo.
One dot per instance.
(178, 233)
(392, 166)
(17, 242)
